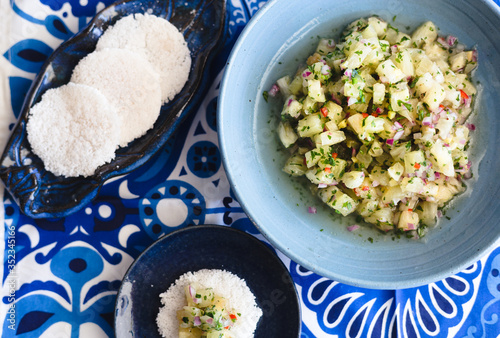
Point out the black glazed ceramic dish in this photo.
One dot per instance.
(38, 192)
(207, 247)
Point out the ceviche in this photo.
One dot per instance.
(377, 122)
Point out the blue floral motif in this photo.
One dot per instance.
(211, 114)
(53, 23)
(437, 307)
(76, 266)
(203, 159)
(428, 311)
(254, 5)
(344, 310)
(57, 27)
(104, 216)
(77, 9)
(484, 318)
(28, 55)
(188, 203)
(240, 12)
(239, 16)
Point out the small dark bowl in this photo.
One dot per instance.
(207, 247)
(38, 192)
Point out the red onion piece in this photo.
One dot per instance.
(399, 134)
(197, 321)
(312, 210)
(390, 141)
(467, 102)
(192, 293)
(397, 126)
(474, 55)
(353, 227)
(427, 121)
(451, 40)
(274, 90)
(471, 126)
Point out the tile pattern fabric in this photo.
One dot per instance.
(60, 276)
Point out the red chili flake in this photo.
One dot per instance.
(334, 155)
(374, 114)
(327, 170)
(463, 94)
(410, 210)
(324, 111)
(305, 161)
(365, 115)
(366, 188)
(417, 165)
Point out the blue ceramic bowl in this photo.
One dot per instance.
(38, 192)
(282, 34)
(207, 247)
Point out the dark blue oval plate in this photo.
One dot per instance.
(207, 247)
(38, 192)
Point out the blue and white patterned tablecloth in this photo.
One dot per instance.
(67, 271)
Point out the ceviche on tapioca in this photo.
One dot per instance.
(377, 123)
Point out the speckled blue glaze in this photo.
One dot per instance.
(207, 247)
(40, 193)
(253, 157)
